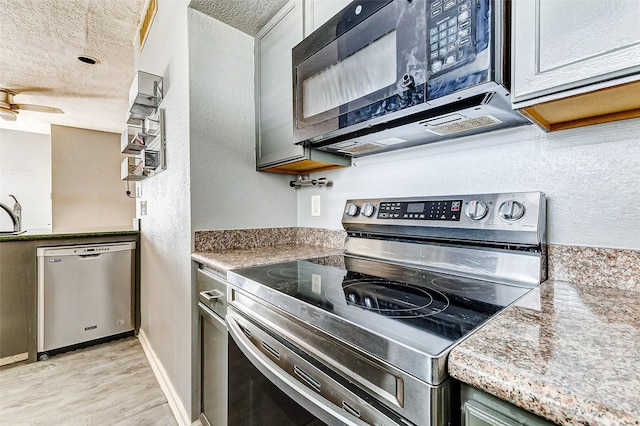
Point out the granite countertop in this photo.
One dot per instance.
(48, 234)
(223, 250)
(573, 360)
(222, 261)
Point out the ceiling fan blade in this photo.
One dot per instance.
(11, 117)
(39, 108)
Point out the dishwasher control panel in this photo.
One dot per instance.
(90, 250)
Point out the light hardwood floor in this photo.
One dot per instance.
(108, 384)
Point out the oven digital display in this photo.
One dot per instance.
(447, 210)
(415, 208)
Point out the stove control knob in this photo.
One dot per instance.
(511, 210)
(476, 210)
(351, 209)
(368, 303)
(368, 209)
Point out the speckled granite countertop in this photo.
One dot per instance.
(225, 260)
(224, 250)
(574, 361)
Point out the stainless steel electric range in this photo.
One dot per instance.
(363, 338)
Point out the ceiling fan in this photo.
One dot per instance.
(9, 110)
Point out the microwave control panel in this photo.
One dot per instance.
(451, 34)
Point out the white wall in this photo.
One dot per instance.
(227, 191)
(87, 192)
(591, 176)
(25, 171)
(166, 293)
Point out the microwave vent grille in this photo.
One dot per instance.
(359, 148)
(462, 125)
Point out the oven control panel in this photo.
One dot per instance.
(510, 211)
(420, 210)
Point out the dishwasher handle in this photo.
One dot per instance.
(89, 256)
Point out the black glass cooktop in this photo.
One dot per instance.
(424, 308)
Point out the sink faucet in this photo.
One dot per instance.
(15, 214)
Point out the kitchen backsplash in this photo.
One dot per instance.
(265, 237)
(601, 267)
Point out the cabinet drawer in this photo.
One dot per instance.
(212, 291)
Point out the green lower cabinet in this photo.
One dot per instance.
(481, 409)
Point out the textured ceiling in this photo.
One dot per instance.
(249, 16)
(40, 41)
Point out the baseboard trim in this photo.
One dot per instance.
(179, 412)
(14, 358)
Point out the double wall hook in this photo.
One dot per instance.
(304, 180)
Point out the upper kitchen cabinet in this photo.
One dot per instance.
(576, 63)
(275, 150)
(317, 12)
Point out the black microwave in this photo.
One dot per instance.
(386, 74)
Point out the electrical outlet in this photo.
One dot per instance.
(143, 208)
(315, 205)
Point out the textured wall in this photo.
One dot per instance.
(25, 171)
(227, 192)
(166, 231)
(86, 190)
(591, 176)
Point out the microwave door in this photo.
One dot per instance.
(360, 72)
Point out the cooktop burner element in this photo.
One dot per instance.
(392, 299)
(283, 274)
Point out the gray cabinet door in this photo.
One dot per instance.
(565, 44)
(15, 280)
(213, 368)
(274, 101)
(481, 409)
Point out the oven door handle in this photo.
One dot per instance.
(314, 403)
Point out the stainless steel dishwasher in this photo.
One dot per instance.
(85, 295)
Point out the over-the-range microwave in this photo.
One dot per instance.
(388, 74)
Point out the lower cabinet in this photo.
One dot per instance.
(214, 341)
(18, 288)
(213, 369)
(481, 409)
(17, 274)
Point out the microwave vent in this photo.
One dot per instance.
(461, 126)
(360, 148)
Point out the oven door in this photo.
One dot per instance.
(368, 61)
(252, 398)
(304, 384)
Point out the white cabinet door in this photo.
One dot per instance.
(317, 12)
(274, 85)
(565, 44)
